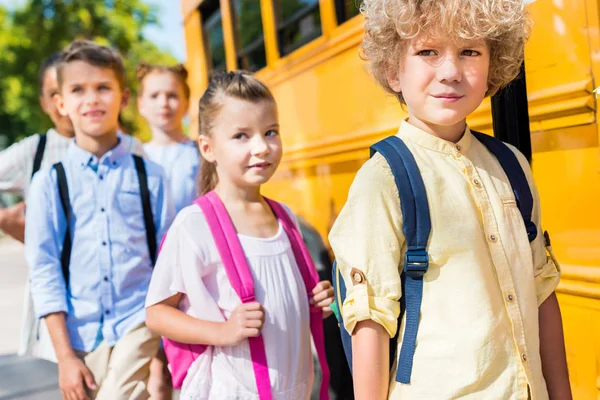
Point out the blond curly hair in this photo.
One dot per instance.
(391, 24)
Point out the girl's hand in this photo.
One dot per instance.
(323, 297)
(246, 321)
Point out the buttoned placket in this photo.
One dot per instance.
(499, 259)
(106, 298)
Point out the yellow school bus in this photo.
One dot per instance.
(331, 110)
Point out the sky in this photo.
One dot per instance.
(169, 36)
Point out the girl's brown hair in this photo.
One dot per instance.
(144, 69)
(239, 85)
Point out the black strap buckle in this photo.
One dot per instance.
(531, 230)
(416, 263)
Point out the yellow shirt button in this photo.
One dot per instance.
(493, 238)
(510, 297)
(524, 357)
(477, 182)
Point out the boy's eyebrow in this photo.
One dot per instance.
(76, 83)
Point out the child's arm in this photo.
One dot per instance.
(367, 240)
(72, 372)
(552, 350)
(166, 320)
(546, 272)
(12, 221)
(45, 227)
(370, 361)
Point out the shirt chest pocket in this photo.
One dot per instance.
(129, 202)
(516, 226)
(129, 198)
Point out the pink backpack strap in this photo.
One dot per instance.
(311, 278)
(238, 271)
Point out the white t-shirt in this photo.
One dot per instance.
(189, 263)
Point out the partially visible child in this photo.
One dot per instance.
(164, 100)
(88, 244)
(191, 300)
(489, 325)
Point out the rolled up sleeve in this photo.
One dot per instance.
(367, 240)
(44, 233)
(546, 268)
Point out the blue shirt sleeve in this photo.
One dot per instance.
(45, 227)
(165, 210)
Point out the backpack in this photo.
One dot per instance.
(416, 228)
(63, 191)
(180, 356)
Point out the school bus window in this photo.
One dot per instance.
(250, 40)
(212, 25)
(298, 22)
(346, 9)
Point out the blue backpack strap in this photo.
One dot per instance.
(512, 168)
(416, 228)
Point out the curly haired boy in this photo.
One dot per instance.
(490, 324)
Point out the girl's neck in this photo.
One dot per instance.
(232, 194)
(161, 137)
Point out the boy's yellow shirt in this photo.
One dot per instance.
(478, 334)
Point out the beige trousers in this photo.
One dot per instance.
(121, 372)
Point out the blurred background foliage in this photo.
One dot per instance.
(39, 28)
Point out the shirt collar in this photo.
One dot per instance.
(84, 158)
(424, 139)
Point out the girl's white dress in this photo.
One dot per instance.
(189, 263)
(181, 163)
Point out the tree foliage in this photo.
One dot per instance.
(41, 27)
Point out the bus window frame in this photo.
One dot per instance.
(206, 10)
(241, 52)
(340, 12)
(295, 18)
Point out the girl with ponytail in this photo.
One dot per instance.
(191, 300)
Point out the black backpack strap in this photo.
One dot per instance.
(39, 154)
(63, 191)
(416, 227)
(140, 168)
(516, 176)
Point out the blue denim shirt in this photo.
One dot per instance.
(110, 265)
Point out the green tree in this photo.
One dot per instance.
(41, 27)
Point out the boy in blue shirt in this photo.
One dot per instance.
(89, 236)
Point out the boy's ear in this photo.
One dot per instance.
(60, 104)
(393, 79)
(205, 147)
(125, 98)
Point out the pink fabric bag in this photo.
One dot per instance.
(181, 356)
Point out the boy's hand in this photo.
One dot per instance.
(72, 373)
(323, 297)
(12, 221)
(246, 321)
